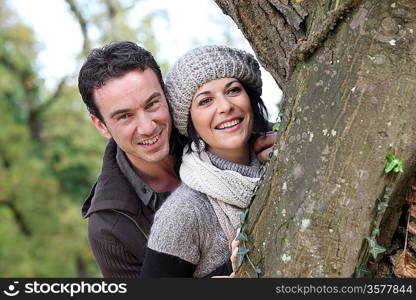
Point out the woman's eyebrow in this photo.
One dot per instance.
(201, 93)
(207, 92)
(230, 83)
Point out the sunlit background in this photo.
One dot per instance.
(50, 155)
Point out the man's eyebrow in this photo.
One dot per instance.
(125, 110)
(151, 97)
(118, 111)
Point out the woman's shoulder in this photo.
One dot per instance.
(184, 202)
(179, 224)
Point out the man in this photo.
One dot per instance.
(122, 87)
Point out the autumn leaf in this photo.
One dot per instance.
(412, 210)
(411, 193)
(412, 228)
(405, 265)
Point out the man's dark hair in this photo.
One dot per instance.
(112, 61)
(260, 116)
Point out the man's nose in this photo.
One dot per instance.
(145, 125)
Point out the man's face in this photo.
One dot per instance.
(136, 115)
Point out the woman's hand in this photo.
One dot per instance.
(264, 145)
(234, 249)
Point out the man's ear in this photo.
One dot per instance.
(101, 127)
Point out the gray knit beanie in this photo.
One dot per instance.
(204, 64)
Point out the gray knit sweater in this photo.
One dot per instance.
(186, 225)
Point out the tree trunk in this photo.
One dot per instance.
(348, 74)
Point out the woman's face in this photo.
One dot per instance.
(222, 116)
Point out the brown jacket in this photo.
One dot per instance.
(119, 219)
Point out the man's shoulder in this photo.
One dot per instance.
(102, 225)
(117, 227)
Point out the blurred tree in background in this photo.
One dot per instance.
(50, 154)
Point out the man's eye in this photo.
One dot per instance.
(123, 117)
(151, 104)
(204, 101)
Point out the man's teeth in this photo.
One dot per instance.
(150, 141)
(229, 124)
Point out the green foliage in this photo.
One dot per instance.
(276, 126)
(242, 236)
(243, 215)
(361, 271)
(241, 253)
(48, 161)
(394, 164)
(374, 248)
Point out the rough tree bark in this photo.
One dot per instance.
(347, 70)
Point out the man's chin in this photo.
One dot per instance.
(156, 157)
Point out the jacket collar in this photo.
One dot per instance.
(144, 192)
(113, 190)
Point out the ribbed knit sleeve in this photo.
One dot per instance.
(117, 245)
(114, 260)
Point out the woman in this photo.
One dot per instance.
(215, 93)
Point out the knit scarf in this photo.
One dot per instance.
(228, 191)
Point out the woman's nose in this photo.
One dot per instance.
(224, 105)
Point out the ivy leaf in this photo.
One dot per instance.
(375, 248)
(393, 164)
(242, 251)
(375, 232)
(276, 126)
(242, 236)
(371, 242)
(361, 271)
(258, 270)
(243, 216)
(382, 205)
(399, 166)
(387, 193)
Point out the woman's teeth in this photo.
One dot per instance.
(229, 124)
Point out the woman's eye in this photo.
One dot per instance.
(204, 101)
(234, 90)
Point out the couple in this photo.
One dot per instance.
(213, 94)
